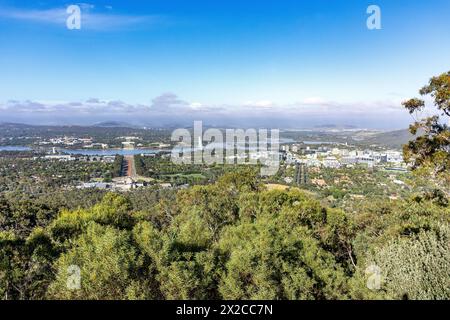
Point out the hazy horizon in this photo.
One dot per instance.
(181, 116)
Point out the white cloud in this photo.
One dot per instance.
(260, 104)
(315, 101)
(90, 19)
(195, 105)
(170, 103)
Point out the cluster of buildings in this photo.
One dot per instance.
(132, 142)
(84, 158)
(121, 184)
(73, 141)
(128, 142)
(334, 157)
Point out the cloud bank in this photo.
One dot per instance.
(169, 109)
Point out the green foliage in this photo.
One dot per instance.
(416, 267)
(112, 210)
(117, 166)
(27, 176)
(245, 179)
(431, 148)
(229, 240)
(106, 260)
(268, 260)
(25, 265)
(215, 205)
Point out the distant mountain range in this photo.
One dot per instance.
(334, 126)
(394, 139)
(112, 124)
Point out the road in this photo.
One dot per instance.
(131, 168)
(129, 171)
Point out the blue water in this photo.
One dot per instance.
(123, 152)
(109, 152)
(88, 152)
(14, 148)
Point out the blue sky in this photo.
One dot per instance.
(305, 58)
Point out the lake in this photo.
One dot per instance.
(125, 152)
(108, 152)
(14, 148)
(88, 152)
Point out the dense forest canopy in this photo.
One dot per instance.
(233, 240)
